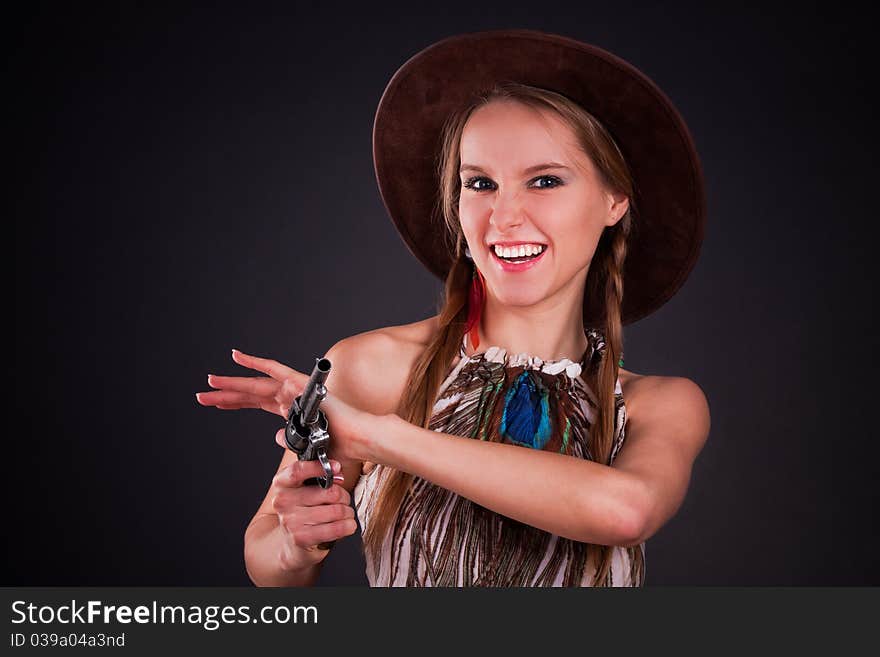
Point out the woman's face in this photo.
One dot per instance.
(509, 198)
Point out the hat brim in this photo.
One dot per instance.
(654, 139)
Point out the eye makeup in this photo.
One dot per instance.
(471, 182)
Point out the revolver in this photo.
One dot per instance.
(306, 430)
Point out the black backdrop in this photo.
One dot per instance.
(180, 176)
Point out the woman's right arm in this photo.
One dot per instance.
(276, 555)
(262, 545)
(280, 544)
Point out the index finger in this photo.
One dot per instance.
(261, 386)
(297, 472)
(273, 368)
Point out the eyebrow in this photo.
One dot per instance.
(537, 167)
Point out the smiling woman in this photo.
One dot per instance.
(536, 460)
(567, 215)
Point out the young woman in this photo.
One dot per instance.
(504, 444)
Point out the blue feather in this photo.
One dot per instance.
(526, 416)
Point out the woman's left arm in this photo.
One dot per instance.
(664, 435)
(575, 498)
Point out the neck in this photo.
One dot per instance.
(550, 330)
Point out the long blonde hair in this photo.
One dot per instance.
(605, 272)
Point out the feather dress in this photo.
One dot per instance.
(443, 539)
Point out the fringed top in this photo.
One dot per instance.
(443, 539)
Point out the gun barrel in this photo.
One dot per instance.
(314, 392)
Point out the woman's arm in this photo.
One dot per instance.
(665, 433)
(575, 498)
(269, 555)
(263, 546)
(568, 496)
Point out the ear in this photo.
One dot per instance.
(618, 204)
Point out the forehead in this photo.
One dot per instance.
(510, 134)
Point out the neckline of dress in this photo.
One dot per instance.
(573, 369)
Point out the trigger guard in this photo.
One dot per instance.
(327, 480)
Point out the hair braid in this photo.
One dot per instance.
(611, 264)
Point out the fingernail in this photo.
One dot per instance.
(235, 351)
(338, 478)
(335, 465)
(198, 398)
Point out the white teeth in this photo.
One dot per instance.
(519, 251)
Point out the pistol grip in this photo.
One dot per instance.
(313, 481)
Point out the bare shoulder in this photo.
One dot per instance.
(373, 366)
(666, 400)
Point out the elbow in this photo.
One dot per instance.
(256, 571)
(631, 531)
(619, 521)
(631, 537)
(632, 518)
(248, 558)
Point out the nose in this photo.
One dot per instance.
(507, 213)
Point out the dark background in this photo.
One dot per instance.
(189, 181)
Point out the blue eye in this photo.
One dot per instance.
(556, 181)
(472, 183)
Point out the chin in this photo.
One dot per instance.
(520, 298)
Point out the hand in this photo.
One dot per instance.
(310, 517)
(350, 428)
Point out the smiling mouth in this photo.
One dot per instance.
(512, 264)
(517, 259)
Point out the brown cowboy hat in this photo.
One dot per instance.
(670, 197)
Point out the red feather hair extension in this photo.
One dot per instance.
(475, 308)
